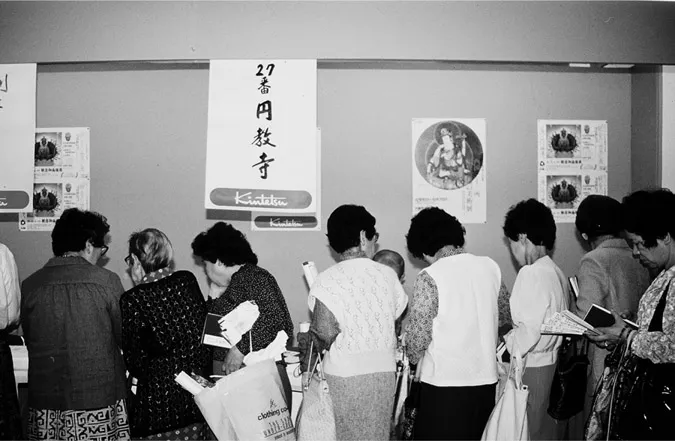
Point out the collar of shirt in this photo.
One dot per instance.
(67, 260)
(156, 275)
(450, 251)
(615, 242)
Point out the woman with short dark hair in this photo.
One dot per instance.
(650, 232)
(452, 334)
(72, 326)
(540, 290)
(608, 275)
(232, 268)
(162, 321)
(355, 304)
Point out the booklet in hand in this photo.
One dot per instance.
(599, 317)
(212, 334)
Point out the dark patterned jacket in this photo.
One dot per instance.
(162, 322)
(254, 283)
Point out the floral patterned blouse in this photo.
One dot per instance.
(424, 309)
(659, 347)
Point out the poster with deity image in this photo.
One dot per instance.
(572, 158)
(61, 176)
(449, 166)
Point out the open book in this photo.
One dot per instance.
(566, 323)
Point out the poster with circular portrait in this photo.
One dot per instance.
(449, 166)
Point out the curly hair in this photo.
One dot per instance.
(75, 228)
(432, 229)
(650, 214)
(345, 224)
(533, 218)
(598, 215)
(153, 249)
(225, 243)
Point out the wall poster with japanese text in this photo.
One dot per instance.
(17, 128)
(61, 176)
(261, 139)
(289, 221)
(449, 167)
(572, 164)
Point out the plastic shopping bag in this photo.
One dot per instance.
(248, 404)
(508, 420)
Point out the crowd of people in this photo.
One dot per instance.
(102, 361)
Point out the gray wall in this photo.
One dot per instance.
(148, 132)
(520, 31)
(646, 127)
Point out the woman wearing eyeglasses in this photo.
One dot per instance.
(72, 327)
(356, 303)
(162, 321)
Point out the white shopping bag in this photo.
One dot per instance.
(508, 420)
(248, 404)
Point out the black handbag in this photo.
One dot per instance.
(645, 402)
(568, 389)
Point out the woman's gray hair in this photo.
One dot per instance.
(153, 249)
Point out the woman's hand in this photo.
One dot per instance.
(609, 336)
(233, 360)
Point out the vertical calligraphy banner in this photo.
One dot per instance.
(261, 150)
(17, 129)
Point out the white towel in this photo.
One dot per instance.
(273, 350)
(238, 322)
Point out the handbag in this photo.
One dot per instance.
(598, 420)
(508, 420)
(411, 405)
(568, 389)
(316, 419)
(645, 407)
(402, 389)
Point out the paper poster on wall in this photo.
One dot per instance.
(17, 128)
(294, 222)
(261, 138)
(449, 167)
(572, 164)
(61, 176)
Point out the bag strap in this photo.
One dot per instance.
(656, 325)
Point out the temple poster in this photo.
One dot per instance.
(261, 139)
(572, 164)
(289, 221)
(61, 177)
(449, 167)
(17, 128)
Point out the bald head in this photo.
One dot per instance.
(392, 259)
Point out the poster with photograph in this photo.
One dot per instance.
(261, 136)
(17, 128)
(289, 221)
(61, 176)
(449, 166)
(572, 164)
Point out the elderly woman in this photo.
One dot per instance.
(356, 303)
(73, 329)
(453, 329)
(608, 275)
(540, 290)
(232, 267)
(650, 232)
(162, 321)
